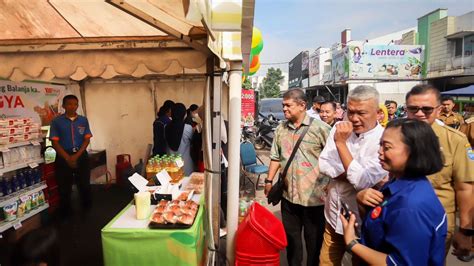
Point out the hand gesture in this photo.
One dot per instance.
(369, 197)
(72, 161)
(343, 131)
(349, 228)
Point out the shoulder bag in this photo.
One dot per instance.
(276, 192)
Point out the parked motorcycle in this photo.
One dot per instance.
(248, 134)
(265, 131)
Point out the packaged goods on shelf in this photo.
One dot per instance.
(21, 154)
(10, 210)
(18, 130)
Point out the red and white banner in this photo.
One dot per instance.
(248, 108)
(40, 101)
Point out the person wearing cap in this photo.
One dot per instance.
(314, 110)
(70, 135)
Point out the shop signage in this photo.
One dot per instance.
(36, 100)
(385, 61)
(314, 64)
(295, 72)
(340, 65)
(248, 107)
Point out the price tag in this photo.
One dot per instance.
(17, 225)
(4, 149)
(179, 163)
(33, 165)
(35, 143)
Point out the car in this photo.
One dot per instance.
(271, 106)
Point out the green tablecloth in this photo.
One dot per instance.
(144, 246)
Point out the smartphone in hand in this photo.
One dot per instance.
(345, 210)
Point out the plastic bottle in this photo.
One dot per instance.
(28, 177)
(21, 179)
(2, 181)
(8, 186)
(38, 175)
(15, 184)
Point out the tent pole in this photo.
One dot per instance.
(216, 155)
(235, 90)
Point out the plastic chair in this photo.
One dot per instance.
(249, 157)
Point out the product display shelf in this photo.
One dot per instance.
(19, 166)
(23, 192)
(5, 225)
(19, 144)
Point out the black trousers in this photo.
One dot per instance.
(311, 221)
(65, 176)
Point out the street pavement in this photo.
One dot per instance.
(249, 191)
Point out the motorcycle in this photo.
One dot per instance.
(248, 134)
(265, 131)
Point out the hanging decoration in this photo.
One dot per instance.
(257, 46)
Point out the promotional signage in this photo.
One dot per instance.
(39, 101)
(295, 72)
(248, 107)
(340, 65)
(304, 64)
(385, 61)
(314, 64)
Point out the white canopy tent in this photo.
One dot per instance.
(125, 58)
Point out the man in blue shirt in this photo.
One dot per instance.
(70, 135)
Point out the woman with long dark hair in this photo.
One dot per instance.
(163, 117)
(406, 224)
(178, 136)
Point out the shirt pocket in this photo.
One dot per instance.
(443, 177)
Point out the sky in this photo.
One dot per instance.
(291, 26)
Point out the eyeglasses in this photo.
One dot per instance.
(425, 109)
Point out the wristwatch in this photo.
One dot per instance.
(268, 181)
(466, 232)
(351, 245)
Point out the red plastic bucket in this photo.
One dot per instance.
(260, 237)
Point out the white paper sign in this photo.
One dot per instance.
(17, 225)
(33, 165)
(35, 143)
(179, 163)
(138, 181)
(163, 177)
(175, 192)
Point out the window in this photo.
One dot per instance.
(457, 47)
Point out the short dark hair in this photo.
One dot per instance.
(387, 102)
(295, 94)
(333, 104)
(423, 89)
(447, 98)
(425, 153)
(318, 99)
(69, 97)
(167, 105)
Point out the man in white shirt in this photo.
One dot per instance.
(350, 158)
(314, 110)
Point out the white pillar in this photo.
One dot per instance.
(235, 90)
